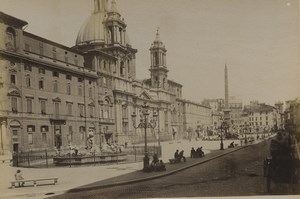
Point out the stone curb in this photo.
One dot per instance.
(153, 177)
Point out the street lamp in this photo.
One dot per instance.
(224, 126)
(246, 130)
(145, 122)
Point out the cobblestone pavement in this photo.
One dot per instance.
(236, 174)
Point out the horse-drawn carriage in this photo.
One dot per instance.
(282, 166)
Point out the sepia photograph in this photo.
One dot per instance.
(149, 99)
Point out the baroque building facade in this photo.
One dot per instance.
(53, 95)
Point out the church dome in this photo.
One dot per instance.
(93, 30)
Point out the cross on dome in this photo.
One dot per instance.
(157, 35)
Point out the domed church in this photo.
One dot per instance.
(57, 96)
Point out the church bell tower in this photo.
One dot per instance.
(158, 68)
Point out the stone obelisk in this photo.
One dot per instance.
(226, 109)
(226, 87)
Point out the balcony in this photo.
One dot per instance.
(58, 119)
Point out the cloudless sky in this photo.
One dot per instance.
(257, 39)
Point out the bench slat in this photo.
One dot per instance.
(34, 181)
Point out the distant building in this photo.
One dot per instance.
(196, 116)
(262, 117)
(280, 114)
(216, 106)
(236, 111)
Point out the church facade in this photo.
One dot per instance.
(53, 95)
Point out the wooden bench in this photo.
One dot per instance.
(13, 183)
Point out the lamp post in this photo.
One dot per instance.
(246, 130)
(145, 122)
(224, 126)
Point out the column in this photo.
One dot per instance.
(116, 33)
(5, 139)
(118, 118)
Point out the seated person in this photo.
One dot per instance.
(231, 145)
(198, 152)
(155, 158)
(193, 152)
(18, 176)
(181, 156)
(176, 156)
(160, 166)
(201, 153)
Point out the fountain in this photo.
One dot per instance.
(89, 154)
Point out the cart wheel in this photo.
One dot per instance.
(269, 183)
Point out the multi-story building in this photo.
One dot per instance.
(280, 114)
(216, 105)
(48, 96)
(53, 95)
(236, 111)
(196, 117)
(262, 117)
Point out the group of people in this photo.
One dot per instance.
(178, 156)
(156, 164)
(197, 153)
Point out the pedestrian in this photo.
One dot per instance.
(19, 177)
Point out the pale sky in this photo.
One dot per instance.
(257, 39)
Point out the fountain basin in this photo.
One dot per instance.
(89, 159)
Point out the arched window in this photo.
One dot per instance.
(80, 90)
(122, 69)
(55, 86)
(90, 92)
(109, 36)
(106, 109)
(28, 82)
(69, 89)
(10, 39)
(41, 84)
(128, 66)
(104, 65)
(156, 58)
(121, 35)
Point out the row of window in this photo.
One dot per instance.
(260, 113)
(44, 129)
(256, 123)
(252, 118)
(107, 67)
(41, 86)
(41, 53)
(105, 110)
(28, 68)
